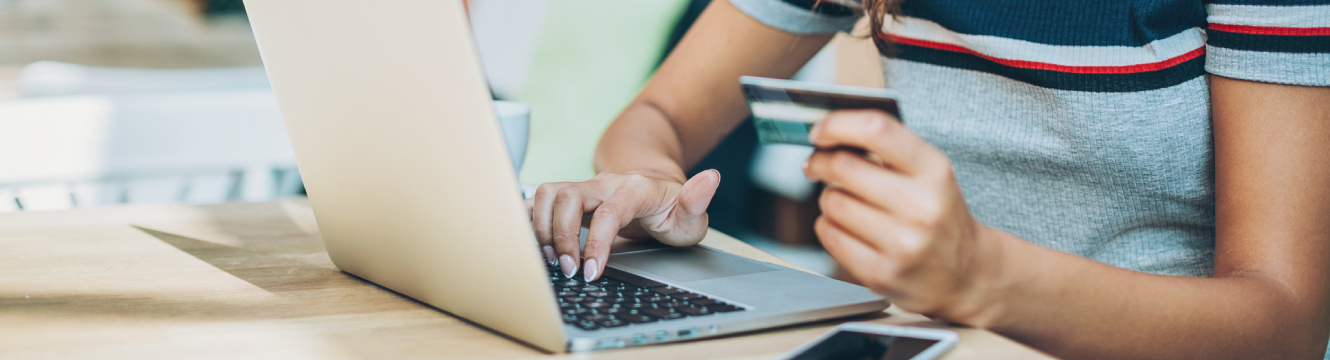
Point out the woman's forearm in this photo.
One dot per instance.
(642, 140)
(693, 101)
(1074, 307)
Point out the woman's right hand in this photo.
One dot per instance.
(614, 204)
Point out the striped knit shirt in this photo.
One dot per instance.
(1082, 125)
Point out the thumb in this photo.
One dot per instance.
(696, 194)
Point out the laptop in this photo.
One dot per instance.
(403, 159)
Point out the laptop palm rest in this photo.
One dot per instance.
(685, 264)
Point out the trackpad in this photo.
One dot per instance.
(683, 264)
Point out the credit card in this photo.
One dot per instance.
(784, 110)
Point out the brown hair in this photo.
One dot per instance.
(877, 12)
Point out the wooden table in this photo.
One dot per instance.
(252, 280)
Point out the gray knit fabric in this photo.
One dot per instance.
(1309, 69)
(1121, 178)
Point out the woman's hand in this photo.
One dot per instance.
(894, 217)
(632, 205)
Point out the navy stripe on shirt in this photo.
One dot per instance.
(1064, 22)
(1269, 43)
(1121, 82)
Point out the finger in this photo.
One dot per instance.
(566, 222)
(860, 259)
(877, 229)
(611, 216)
(542, 206)
(689, 216)
(877, 133)
(850, 171)
(860, 220)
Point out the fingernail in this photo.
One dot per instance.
(549, 255)
(590, 272)
(569, 266)
(804, 166)
(812, 133)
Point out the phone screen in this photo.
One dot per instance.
(866, 346)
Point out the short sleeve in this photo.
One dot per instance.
(1277, 41)
(803, 16)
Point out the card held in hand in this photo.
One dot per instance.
(784, 110)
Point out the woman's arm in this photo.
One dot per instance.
(1269, 298)
(691, 103)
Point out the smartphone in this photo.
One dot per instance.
(869, 341)
(784, 110)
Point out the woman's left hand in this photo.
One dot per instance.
(894, 217)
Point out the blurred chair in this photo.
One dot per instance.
(142, 135)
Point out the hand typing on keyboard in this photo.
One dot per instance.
(631, 205)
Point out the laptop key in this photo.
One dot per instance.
(663, 314)
(613, 323)
(569, 319)
(657, 312)
(719, 307)
(587, 325)
(595, 317)
(703, 301)
(637, 318)
(671, 304)
(685, 296)
(668, 290)
(660, 300)
(694, 310)
(596, 305)
(573, 283)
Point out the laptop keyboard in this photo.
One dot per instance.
(619, 298)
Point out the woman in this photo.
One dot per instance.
(1097, 179)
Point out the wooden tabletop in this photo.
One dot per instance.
(252, 280)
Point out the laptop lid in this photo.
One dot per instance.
(393, 129)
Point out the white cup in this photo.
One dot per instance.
(515, 120)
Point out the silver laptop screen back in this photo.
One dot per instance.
(404, 162)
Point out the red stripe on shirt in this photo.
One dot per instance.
(1271, 30)
(1125, 69)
